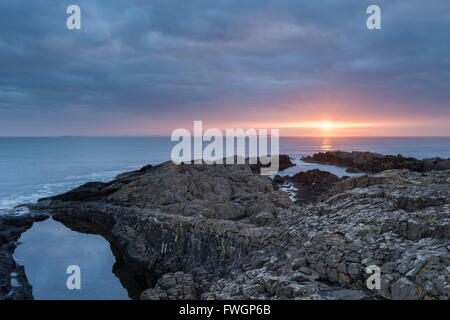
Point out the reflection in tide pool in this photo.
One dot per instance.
(48, 248)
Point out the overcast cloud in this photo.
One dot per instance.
(164, 60)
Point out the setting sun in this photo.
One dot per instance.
(326, 125)
(323, 127)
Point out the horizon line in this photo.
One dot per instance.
(168, 136)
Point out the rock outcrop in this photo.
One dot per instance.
(212, 191)
(223, 232)
(312, 184)
(370, 162)
(13, 281)
(179, 286)
(397, 220)
(307, 186)
(284, 162)
(177, 217)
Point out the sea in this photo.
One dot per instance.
(33, 168)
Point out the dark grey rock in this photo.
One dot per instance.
(404, 289)
(375, 163)
(14, 284)
(252, 243)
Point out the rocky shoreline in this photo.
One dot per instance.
(13, 281)
(225, 232)
(370, 162)
(309, 185)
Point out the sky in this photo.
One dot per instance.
(147, 67)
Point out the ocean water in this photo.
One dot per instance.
(32, 168)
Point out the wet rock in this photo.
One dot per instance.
(374, 162)
(312, 184)
(279, 179)
(284, 163)
(88, 192)
(13, 281)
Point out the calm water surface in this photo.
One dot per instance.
(48, 248)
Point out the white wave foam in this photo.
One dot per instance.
(305, 166)
(13, 201)
(290, 189)
(51, 189)
(98, 176)
(15, 212)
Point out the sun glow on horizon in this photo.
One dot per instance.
(325, 125)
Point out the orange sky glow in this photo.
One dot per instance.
(325, 127)
(324, 117)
